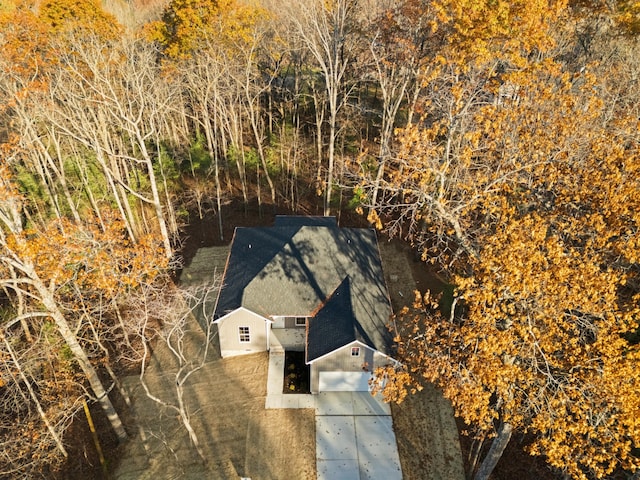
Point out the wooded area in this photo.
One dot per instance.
(499, 138)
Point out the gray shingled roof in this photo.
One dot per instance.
(301, 267)
(334, 325)
(300, 221)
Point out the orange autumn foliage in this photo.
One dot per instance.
(540, 192)
(73, 258)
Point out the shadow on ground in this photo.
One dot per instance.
(426, 431)
(225, 400)
(240, 438)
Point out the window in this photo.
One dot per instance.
(301, 321)
(355, 351)
(245, 336)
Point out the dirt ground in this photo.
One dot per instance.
(238, 436)
(225, 400)
(425, 428)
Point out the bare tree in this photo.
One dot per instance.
(206, 78)
(113, 101)
(169, 322)
(254, 84)
(325, 29)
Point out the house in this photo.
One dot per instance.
(306, 284)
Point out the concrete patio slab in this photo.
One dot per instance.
(377, 450)
(371, 444)
(350, 403)
(338, 470)
(366, 404)
(297, 400)
(334, 403)
(336, 438)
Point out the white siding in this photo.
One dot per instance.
(341, 360)
(228, 333)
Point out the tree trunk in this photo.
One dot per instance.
(155, 195)
(258, 135)
(59, 170)
(319, 113)
(69, 337)
(330, 163)
(186, 421)
(474, 455)
(106, 158)
(496, 450)
(116, 190)
(90, 373)
(213, 154)
(34, 398)
(20, 296)
(171, 213)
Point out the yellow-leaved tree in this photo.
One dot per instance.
(520, 180)
(539, 189)
(189, 25)
(66, 17)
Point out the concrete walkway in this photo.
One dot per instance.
(275, 381)
(355, 438)
(354, 430)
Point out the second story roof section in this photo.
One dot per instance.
(302, 221)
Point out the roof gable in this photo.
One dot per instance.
(348, 346)
(241, 309)
(333, 326)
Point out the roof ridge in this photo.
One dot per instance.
(323, 304)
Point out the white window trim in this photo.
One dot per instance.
(242, 334)
(355, 351)
(304, 321)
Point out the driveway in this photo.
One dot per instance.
(354, 431)
(355, 438)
